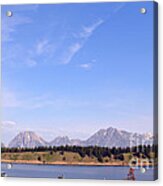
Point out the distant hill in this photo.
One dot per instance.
(65, 140)
(105, 137)
(27, 139)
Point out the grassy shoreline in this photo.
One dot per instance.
(65, 163)
(35, 162)
(80, 156)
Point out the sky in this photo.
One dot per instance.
(73, 69)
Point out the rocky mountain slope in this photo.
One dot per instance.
(27, 139)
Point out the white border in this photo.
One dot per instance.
(48, 182)
(63, 1)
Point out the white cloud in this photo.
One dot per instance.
(42, 46)
(72, 50)
(119, 7)
(86, 66)
(18, 56)
(83, 36)
(10, 24)
(14, 100)
(8, 124)
(88, 30)
(75, 47)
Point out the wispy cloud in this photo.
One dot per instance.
(18, 56)
(72, 50)
(88, 30)
(17, 51)
(44, 49)
(43, 46)
(8, 124)
(86, 66)
(39, 52)
(82, 38)
(11, 99)
(10, 25)
(119, 7)
(15, 100)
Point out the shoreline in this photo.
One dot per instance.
(65, 163)
(35, 162)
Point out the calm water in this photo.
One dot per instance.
(73, 172)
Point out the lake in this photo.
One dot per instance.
(74, 172)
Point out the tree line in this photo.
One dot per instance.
(93, 151)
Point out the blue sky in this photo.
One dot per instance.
(72, 69)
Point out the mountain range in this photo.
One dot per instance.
(104, 137)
